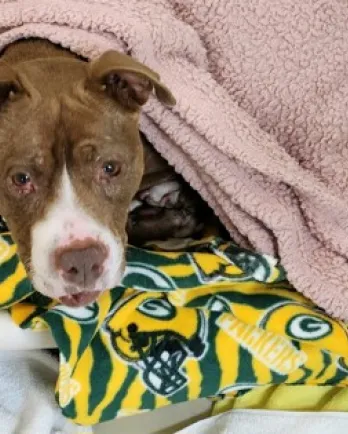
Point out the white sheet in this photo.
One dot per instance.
(14, 338)
(27, 404)
(271, 422)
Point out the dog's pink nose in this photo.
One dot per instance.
(81, 265)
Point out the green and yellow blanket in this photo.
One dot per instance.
(210, 321)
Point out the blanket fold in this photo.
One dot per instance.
(260, 128)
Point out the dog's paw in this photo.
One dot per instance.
(134, 205)
(164, 195)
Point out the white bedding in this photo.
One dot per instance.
(14, 338)
(271, 422)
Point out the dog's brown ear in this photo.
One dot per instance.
(10, 86)
(128, 81)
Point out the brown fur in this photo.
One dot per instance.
(56, 110)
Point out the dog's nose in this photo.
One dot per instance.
(81, 266)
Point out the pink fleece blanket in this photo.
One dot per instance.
(260, 127)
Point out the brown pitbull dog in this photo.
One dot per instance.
(71, 161)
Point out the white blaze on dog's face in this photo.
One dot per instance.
(71, 250)
(70, 163)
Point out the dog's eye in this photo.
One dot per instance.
(21, 179)
(22, 182)
(111, 168)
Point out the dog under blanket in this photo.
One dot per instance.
(197, 320)
(260, 127)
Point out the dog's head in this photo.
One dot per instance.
(71, 161)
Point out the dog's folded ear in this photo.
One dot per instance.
(10, 86)
(127, 80)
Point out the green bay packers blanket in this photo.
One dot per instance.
(209, 321)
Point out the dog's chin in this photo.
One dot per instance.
(79, 299)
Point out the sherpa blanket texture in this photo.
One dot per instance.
(260, 127)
